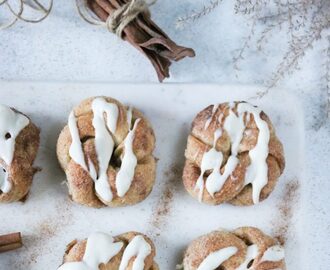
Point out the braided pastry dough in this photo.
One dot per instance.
(232, 155)
(106, 153)
(19, 143)
(128, 251)
(246, 248)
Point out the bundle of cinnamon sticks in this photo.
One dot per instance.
(10, 242)
(145, 36)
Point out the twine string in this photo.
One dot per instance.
(118, 20)
(18, 15)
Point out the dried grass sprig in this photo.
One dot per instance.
(195, 15)
(302, 21)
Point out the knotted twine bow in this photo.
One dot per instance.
(117, 21)
(22, 6)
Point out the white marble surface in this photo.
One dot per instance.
(64, 48)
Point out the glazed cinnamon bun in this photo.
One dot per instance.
(19, 143)
(246, 248)
(233, 155)
(128, 251)
(106, 153)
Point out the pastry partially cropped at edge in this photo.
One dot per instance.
(106, 153)
(128, 251)
(19, 143)
(246, 248)
(233, 155)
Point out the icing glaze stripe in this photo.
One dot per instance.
(212, 159)
(126, 172)
(215, 259)
(104, 143)
(257, 172)
(139, 248)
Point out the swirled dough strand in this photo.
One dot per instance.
(11, 124)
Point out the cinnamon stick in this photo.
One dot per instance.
(10, 242)
(145, 36)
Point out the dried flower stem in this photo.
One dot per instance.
(195, 15)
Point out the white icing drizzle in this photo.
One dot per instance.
(104, 143)
(100, 248)
(251, 254)
(11, 124)
(212, 159)
(273, 254)
(138, 248)
(126, 173)
(76, 151)
(257, 172)
(104, 146)
(209, 120)
(215, 259)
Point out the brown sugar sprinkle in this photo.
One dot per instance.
(163, 208)
(286, 207)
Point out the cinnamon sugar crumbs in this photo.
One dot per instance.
(36, 244)
(286, 208)
(163, 208)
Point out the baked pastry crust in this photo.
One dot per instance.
(80, 183)
(242, 239)
(75, 252)
(203, 138)
(21, 171)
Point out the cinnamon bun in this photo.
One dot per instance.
(246, 248)
(128, 251)
(233, 155)
(106, 153)
(19, 143)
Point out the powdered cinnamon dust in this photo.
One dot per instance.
(286, 210)
(163, 208)
(36, 245)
